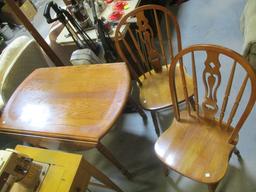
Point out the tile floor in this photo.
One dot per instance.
(132, 142)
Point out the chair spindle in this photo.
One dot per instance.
(148, 67)
(160, 37)
(133, 57)
(174, 92)
(195, 83)
(136, 45)
(227, 93)
(184, 84)
(169, 36)
(237, 102)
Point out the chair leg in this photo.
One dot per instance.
(104, 151)
(138, 109)
(237, 152)
(154, 118)
(107, 183)
(212, 187)
(192, 103)
(166, 170)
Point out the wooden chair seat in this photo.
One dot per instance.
(197, 148)
(155, 90)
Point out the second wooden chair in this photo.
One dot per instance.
(147, 39)
(199, 143)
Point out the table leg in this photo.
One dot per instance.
(94, 172)
(192, 102)
(112, 159)
(212, 187)
(139, 109)
(154, 118)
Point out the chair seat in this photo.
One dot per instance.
(155, 91)
(197, 148)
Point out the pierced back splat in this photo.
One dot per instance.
(146, 36)
(211, 80)
(147, 39)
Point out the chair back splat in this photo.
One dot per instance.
(223, 98)
(147, 40)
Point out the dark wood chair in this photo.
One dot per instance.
(199, 143)
(148, 54)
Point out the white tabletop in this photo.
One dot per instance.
(64, 38)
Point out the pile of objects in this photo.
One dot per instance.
(77, 21)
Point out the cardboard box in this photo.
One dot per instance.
(28, 8)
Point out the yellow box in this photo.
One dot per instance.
(28, 8)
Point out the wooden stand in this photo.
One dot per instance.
(67, 172)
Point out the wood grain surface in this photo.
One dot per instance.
(155, 92)
(78, 103)
(196, 148)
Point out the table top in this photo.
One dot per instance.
(76, 102)
(65, 39)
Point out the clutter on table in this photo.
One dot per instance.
(79, 35)
(79, 11)
(118, 10)
(116, 15)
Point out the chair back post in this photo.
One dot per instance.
(250, 104)
(172, 85)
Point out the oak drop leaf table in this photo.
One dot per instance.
(73, 105)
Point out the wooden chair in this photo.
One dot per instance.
(199, 143)
(148, 55)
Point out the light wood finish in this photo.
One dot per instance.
(147, 54)
(155, 92)
(74, 104)
(67, 172)
(197, 145)
(40, 40)
(194, 148)
(79, 102)
(227, 92)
